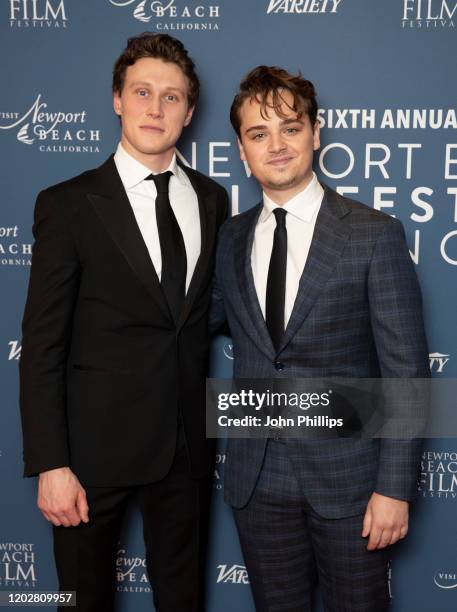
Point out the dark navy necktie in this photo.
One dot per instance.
(276, 283)
(174, 261)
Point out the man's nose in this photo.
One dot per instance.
(277, 143)
(155, 107)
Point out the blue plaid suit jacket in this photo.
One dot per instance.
(357, 314)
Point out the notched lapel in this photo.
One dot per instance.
(330, 236)
(243, 240)
(113, 208)
(207, 213)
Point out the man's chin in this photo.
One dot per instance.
(155, 149)
(285, 183)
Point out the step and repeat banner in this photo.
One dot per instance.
(385, 77)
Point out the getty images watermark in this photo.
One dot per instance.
(404, 408)
(270, 401)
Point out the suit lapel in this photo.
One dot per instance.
(207, 213)
(330, 236)
(243, 241)
(112, 206)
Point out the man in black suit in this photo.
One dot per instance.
(115, 343)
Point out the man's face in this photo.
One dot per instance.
(153, 108)
(279, 150)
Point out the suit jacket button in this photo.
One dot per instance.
(279, 366)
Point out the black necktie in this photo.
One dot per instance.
(276, 283)
(174, 261)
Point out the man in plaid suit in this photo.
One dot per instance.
(313, 284)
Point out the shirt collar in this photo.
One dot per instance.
(133, 172)
(304, 205)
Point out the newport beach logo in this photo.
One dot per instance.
(53, 132)
(303, 6)
(428, 14)
(17, 565)
(38, 14)
(445, 580)
(13, 252)
(438, 478)
(166, 15)
(131, 573)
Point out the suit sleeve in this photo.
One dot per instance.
(46, 335)
(396, 318)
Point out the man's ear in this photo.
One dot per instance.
(188, 118)
(241, 148)
(316, 136)
(117, 103)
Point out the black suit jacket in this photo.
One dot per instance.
(103, 365)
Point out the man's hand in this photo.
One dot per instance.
(385, 521)
(61, 498)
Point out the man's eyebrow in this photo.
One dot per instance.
(256, 128)
(148, 84)
(289, 121)
(265, 127)
(136, 83)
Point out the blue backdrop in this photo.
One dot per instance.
(385, 76)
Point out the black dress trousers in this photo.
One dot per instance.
(175, 514)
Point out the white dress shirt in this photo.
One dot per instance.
(142, 196)
(301, 217)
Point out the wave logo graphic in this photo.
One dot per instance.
(156, 8)
(23, 135)
(139, 13)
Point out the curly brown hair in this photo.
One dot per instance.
(160, 46)
(266, 84)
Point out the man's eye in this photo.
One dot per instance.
(142, 92)
(259, 136)
(171, 98)
(292, 130)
